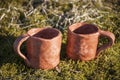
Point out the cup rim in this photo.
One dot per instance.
(77, 25)
(34, 31)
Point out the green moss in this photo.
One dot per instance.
(8, 70)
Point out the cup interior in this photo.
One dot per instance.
(86, 29)
(47, 33)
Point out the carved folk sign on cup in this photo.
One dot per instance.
(82, 41)
(43, 47)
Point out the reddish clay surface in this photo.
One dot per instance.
(43, 47)
(82, 41)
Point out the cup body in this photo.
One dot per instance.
(43, 48)
(82, 41)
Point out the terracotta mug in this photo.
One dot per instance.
(82, 41)
(43, 47)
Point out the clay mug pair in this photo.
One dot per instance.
(44, 44)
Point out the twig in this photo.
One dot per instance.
(3, 15)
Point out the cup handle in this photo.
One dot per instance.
(111, 39)
(17, 44)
